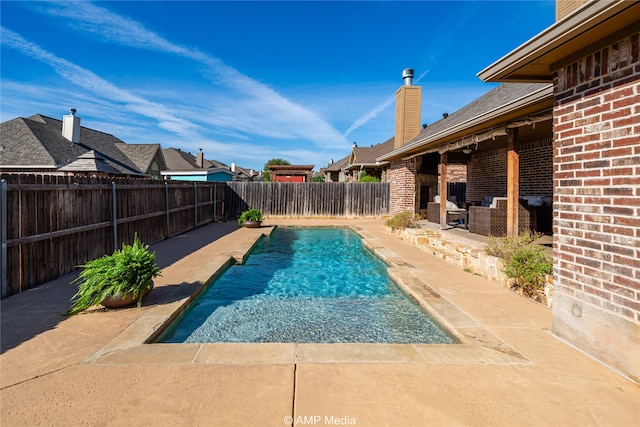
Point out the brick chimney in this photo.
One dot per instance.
(71, 126)
(408, 110)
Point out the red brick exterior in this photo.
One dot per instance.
(402, 186)
(597, 203)
(487, 172)
(456, 173)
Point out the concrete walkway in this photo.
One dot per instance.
(94, 368)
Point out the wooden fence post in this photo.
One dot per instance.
(166, 208)
(195, 205)
(215, 200)
(3, 238)
(114, 220)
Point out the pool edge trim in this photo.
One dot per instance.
(477, 344)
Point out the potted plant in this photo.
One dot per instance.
(251, 218)
(116, 280)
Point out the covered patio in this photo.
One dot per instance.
(504, 142)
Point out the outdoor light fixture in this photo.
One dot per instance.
(468, 149)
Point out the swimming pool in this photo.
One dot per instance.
(306, 285)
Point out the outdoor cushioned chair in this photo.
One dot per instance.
(453, 212)
(492, 220)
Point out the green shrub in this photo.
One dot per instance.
(504, 247)
(522, 261)
(528, 266)
(367, 178)
(401, 220)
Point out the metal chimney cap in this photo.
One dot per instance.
(72, 111)
(407, 76)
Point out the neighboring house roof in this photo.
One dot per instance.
(488, 113)
(291, 168)
(339, 165)
(246, 173)
(366, 156)
(536, 59)
(178, 160)
(140, 154)
(90, 162)
(36, 142)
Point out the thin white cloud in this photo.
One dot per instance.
(98, 86)
(435, 48)
(371, 114)
(273, 115)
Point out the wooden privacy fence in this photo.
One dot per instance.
(312, 199)
(51, 224)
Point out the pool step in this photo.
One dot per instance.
(432, 242)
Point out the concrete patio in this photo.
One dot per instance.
(95, 368)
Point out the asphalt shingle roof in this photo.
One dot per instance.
(90, 162)
(337, 166)
(498, 97)
(368, 155)
(37, 141)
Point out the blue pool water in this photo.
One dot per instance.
(306, 285)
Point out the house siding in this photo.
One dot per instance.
(565, 7)
(408, 111)
(597, 203)
(402, 189)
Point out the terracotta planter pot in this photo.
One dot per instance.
(252, 224)
(120, 301)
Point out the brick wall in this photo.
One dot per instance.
(402, 186)
(536, 168)
(456, 173)
(487, 175)
(597, 203)
(487, 172)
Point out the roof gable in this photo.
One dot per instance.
(140, 154)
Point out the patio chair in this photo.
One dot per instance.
(492, 220)
(454, 213)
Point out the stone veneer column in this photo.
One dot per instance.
(402, 186)
(596, 303)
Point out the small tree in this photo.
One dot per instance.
(267, 176)
(318, 178)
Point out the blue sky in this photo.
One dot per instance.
(250, 81)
